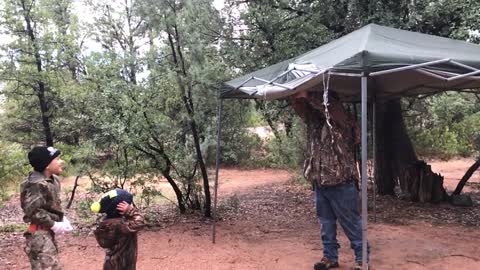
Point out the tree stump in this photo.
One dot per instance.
(418, 183)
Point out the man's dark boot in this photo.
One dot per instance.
(325, 264)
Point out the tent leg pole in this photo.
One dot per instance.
(374, 164)
(364, 173)
(217, 164)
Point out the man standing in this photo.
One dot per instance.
(40, 201)
(330, 165)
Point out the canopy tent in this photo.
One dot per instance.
(430, 63)
(374, 62)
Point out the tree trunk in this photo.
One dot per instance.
(185, 89)
(420, 184)
(203, 169)
(396, 161)
(44, 112)
(260, 105)
(178, 192)
(385, 179)
(40, 89)
(165, 170)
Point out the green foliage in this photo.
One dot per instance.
(146, 191)
(437, 142)
(255, 119)
(83, 209)
(249, 151)
(9, 228)
(75, 157)
(271, 151)
(445, 125)
(155, 100)
(287, 151)
(282, 153)
(13, 167)
(120, 170)
(38, 62)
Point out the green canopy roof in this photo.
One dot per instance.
(397, 63)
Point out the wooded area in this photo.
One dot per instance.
(132, 90)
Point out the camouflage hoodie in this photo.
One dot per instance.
(119, 238)
(330, 158)
(40, 200)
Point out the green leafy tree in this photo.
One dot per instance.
(154, 86)
(42, 49)
(12, 167)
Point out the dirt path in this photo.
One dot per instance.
(267, 222)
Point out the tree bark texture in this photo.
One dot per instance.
(397, 163)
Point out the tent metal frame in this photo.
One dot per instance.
(421, 67)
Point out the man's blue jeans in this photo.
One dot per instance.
(339, 203)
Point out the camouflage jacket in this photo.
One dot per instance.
(119, 237)
(330, 151)
(40, 200)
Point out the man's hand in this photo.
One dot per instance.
(299, 103)
(123, 207)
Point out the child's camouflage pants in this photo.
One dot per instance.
(42, 251)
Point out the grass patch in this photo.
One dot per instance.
(9, 228)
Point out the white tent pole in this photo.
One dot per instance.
(464, 75)
(243, 83)
(416, 66)
(344, 74)
(431, 74)
(217, 164)
(463, 65)
(273, 83)
(364, 173)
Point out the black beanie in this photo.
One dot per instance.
(40, 156)
(110, 200)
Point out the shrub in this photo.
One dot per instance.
(13, 167)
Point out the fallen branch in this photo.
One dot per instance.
(468, 257)
(415, 262)
(73, 192)
(467, 176)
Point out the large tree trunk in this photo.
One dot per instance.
(41, 88)
(385, 178)
(45, 114)
(397, 162)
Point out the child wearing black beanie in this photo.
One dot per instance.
(41, 204)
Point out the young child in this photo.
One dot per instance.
(40, 201)
(117, 230)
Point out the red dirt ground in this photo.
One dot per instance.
(268, 222)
